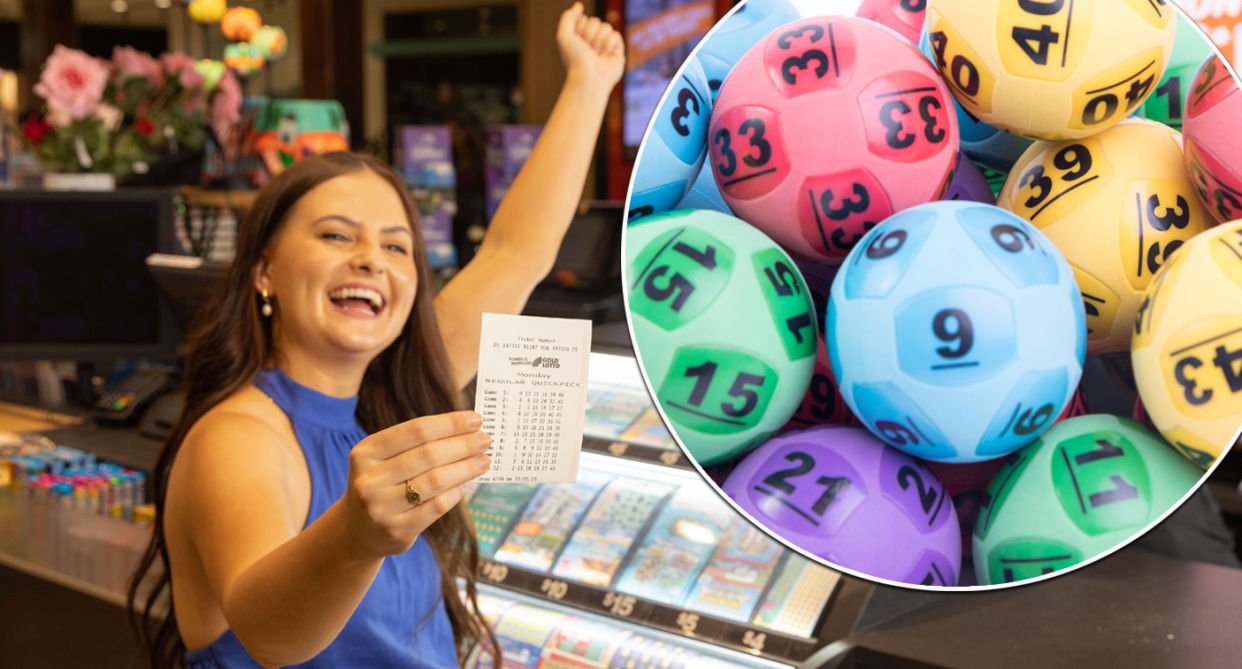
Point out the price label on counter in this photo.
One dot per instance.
(531, 392)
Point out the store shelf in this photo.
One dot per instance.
(756, 641)
(636, 452)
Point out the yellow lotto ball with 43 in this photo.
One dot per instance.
(1117, 205)
(1188, 345)
(1051, 69)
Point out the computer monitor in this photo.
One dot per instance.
(74, 284)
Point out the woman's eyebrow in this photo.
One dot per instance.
(355, 224)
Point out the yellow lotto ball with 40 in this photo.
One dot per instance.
(1188, 345)
(1117, 205)
(1051, 69)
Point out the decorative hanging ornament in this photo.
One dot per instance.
(271, 42)
(240, 23)
(243, 59)
(211, 70)
(207, 11)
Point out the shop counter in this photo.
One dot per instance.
(1133, 609)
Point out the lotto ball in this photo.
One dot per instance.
(673, 149)
(1117, 204)
(826, 127)
(270, 41)
(969, 184)
(1077, 406)
(239, 24)
(724, 326)
(966, 485)
(1087, 485)
(1167, 103)
(1188, 345)
(750, 22)
(841, 494)
(1051, 70)
(994, 150)
(903, 16)
(822, 404)
(956, 332)
(704, 194)
(1140, 414)
(1213, 143)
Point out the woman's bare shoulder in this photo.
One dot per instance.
(248, 414)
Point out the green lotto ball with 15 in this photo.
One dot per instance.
(724, 327)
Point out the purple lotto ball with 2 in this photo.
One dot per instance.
(841, 494)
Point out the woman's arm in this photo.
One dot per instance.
(525, 234)
(287, 594)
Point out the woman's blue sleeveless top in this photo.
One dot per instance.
(402, 620)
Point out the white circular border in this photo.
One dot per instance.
(625, 296)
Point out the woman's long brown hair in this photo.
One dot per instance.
(230, 342)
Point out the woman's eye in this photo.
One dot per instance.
(398, 248)
(335, 236)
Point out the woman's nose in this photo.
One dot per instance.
(370, 259)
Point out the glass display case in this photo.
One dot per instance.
(640, 563)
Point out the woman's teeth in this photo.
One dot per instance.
(372, 300)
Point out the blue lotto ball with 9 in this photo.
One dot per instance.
(956, 331)
(752, 21)
(724, 327)
(674, 148)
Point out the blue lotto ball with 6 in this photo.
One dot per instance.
(743, 29)
(956, 331)
(673, 151)
(724, 326)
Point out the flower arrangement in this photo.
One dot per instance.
(125, 115)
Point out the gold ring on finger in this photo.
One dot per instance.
(412, 495)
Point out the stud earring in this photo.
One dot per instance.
(267, 304)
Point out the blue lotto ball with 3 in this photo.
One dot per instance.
(674, 148)
(956, 331)
(705, 194)
(743, 29)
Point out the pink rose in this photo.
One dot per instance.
(176, 61)
(72, 82)
(190, 78)
(226, 108)
(137, 64)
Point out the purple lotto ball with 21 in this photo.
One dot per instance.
(842, 494)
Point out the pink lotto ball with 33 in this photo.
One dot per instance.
(826, 127)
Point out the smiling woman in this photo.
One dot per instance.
(308, 498)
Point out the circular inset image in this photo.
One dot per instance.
(866, 285)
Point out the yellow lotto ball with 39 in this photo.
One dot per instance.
(1188, 345)
(1051, 69)
(1117, 205)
